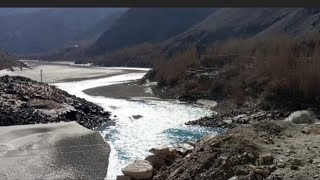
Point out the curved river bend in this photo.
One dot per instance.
(162, 122)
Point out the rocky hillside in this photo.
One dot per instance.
(44, 29)
(227, 23)
(7, 61)
(24, 101)
(150, 25)
(208, 27)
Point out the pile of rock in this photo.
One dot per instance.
(234, 119)
(24, 101)
(159, 160)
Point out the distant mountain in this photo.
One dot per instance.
(227, 23)
(32, 31)
(6, 61)
(151, 25)
(91, 34)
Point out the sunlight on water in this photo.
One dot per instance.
(162, 122)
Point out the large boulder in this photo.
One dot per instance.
(302, 117)
(156, 161)
(140, 169)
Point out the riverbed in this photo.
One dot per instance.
(140, 123)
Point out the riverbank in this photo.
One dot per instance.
(54, 138)
(63, 150)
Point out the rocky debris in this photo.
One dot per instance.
(305, 130)
(229, 120)
(242, 154)
(213, 121)
(36, 102)
(140, 169)
(159, 160)
(216, 158)
(302, 117)
(265, 159)
(169, 155)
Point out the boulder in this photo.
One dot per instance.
(240, 116)
(266, 158)
(25, 98)
(207, 103)
(140, 169)
(302, 117)
(305, 130)
(208, 137)
(296, 162)
(241, 119)
(156, 161)
(163, 152)
(137, 116)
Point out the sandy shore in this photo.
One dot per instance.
(52, 151)
(123, 91)
(53, 72)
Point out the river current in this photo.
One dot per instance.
(160, 122)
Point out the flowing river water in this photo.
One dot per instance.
(161, 122)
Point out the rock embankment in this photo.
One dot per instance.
(24, 101)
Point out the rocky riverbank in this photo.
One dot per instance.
(24, 101)
(269, 149)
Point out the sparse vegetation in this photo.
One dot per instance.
(170, 71)
(280, 66)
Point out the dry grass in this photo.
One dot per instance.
(280, 65)
(170, 71)
(292, 65)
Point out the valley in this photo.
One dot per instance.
(171, 93)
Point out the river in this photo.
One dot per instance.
(160, 122)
